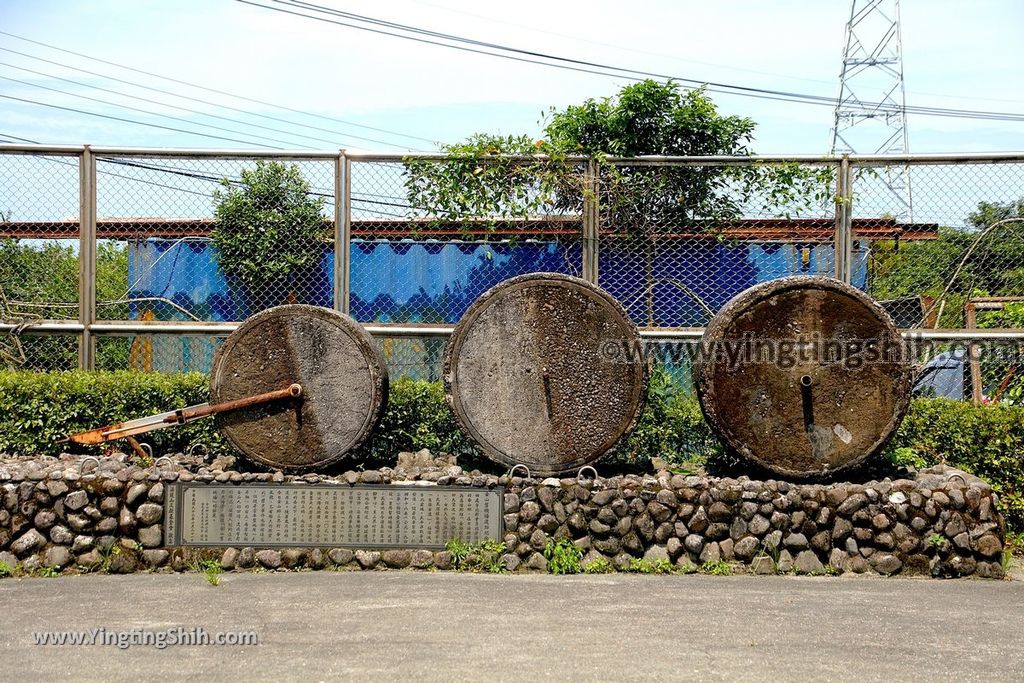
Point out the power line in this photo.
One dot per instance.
(227, 94)
(152, 113)
(198, 175)
(173, 106)
(584, 66)
(124, 120)
(196, 99)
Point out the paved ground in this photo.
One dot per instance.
(445, 626)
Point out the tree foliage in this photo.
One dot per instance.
(647, 118)
(480, 184)
(39, 280)
(985, 258)
(269, 229)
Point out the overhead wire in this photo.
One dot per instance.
(139, 123)
(225, 93)
(206, 102)
(153, 113)
(585, 66)
(179, 107)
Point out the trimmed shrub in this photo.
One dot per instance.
(417, 417)
(37, 409)
(985, 440)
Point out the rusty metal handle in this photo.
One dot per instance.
(193, 413)
(178, 417)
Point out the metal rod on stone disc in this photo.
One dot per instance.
(178, 417)
(808, 402)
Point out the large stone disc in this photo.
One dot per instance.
(770, 341)
(544, 370)
(343, 377)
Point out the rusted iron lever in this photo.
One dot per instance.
(178, 417)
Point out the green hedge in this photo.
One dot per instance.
(985, 440)
(36, 409)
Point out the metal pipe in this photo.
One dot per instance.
(340, 244)
(86, 257)
(158, 152)
(970, 158)
(591, 220)
(21, 148)
(47, 328)
(165, 327)
(218, 329)
(876, 159)
(842, 208)
(345, 199)
(442, 156)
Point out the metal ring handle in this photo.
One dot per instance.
(198, 445)
(512, 472)
(960, 476)
(579, 475)
(81, 464)
(146, 447)
(163, 459)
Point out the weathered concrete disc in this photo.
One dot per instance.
(544, 370)
(769, 340)
(343, 377)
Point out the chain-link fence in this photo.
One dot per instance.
(679, 239)
(429, 235)
(146, 259)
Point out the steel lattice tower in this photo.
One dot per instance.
(870, 114)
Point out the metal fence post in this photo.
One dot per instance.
(343, 241)
(87, 258)
(591, 221)
(848, 228)
(843, 245)
(340, 243)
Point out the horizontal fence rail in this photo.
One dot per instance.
(129, 258)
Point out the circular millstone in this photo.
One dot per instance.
(544, 370)
(343, 377)
(805, 376)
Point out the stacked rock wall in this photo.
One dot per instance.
(940, 523)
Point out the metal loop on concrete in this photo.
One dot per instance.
(198, 445)
(81, 464)
(579, 475)
(146, 447)
(163, 459)
(512, 472)
(958, 476)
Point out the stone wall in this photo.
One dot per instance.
(942, 522)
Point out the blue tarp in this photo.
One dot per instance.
(434, 282)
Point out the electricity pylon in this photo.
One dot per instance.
(870, 115)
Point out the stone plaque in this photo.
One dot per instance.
(297, 515)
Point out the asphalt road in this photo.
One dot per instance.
(447, 626)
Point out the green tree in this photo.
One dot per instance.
(269, 233)
(984, 258)
(647, 118)
(39, 281)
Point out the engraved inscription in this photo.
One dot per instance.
(321, 516)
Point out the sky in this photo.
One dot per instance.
(339, 83)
